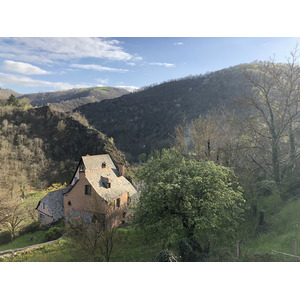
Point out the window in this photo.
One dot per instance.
(118, 204)
(44, 205)
(69, 203)
(42, 217)
(87, 190)
(106, 182)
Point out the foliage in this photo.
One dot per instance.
(143, 121)
(272, 118)
(13, 100)
(5, 237)
(53, 233)
(95, 239)
(70, 99)
(41, 146)
(188, 197)
(30, 228)
(165, 256)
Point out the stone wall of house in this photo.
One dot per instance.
(43, 210)
(45, 219)
(76, 199)
(116, 217)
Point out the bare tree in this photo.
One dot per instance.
(273, 113)
(15, 217)
(94, 238)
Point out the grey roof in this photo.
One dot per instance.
(97, 175)
(55, 202)
(119, 185)
(94, 162)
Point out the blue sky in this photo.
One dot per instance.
(30, 65)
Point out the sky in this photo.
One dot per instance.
(43, 64)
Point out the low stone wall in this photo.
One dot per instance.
(13, 252)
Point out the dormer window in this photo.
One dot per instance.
(106, 182)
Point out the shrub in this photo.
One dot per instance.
(53, 234)
(165, 256)
(5, 237)
(30, 228)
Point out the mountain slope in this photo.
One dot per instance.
(5, 93)
(41, 146)
(143, 121)
(70, 99)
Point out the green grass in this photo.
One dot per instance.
(285, 226)
(128, 247)
(58, 252)
(101, 89)
(25, 240)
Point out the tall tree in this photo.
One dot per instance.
(274, 112)
(188, 197)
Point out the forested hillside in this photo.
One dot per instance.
(142, 121)
(41, 146)
(70, 99)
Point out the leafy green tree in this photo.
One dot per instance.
(187, 197)
(13, 100)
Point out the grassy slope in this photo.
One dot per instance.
(25, 240)
(285, 227)
(128, 248)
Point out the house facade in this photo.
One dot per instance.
(97, 188)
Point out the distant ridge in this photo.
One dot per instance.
(144, 120)
(71, 99)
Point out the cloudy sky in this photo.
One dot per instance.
(47, 64)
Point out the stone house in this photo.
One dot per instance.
(97, 189)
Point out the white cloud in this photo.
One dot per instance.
(24, 81)
(97, 68)
(102, 81)
(178, 44)
(48, 50)
(162, 64)
(23, 68)
(129, 88)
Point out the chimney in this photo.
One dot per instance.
(103, 165)
(121, 170)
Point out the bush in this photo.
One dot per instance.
(5, 237)
(165, 256)
(53, 234)
(30, 228)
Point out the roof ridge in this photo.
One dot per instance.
(94, 155)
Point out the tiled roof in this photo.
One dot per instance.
(94, 162)
(119, 185)
(97, 175)
(55, 202)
